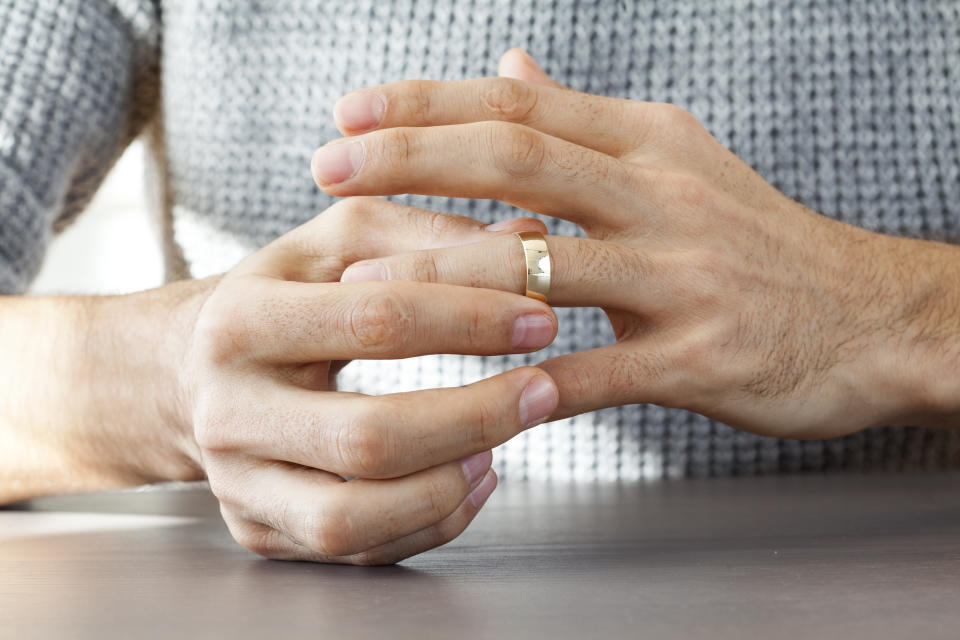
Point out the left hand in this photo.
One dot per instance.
(726, 297)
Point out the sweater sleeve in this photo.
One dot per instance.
(78, 80)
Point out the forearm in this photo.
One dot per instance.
(91, 396)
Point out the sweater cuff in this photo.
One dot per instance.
(23, 233)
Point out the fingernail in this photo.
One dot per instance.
(360, 110)
(532, 331)
(498, 226)
(366, 272)
(479, 495)
(476, 465)
(337, 161)
(537, 401)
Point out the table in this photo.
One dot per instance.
(844, 556)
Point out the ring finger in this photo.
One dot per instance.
(274, 544)
(339, 518)
(584, 271)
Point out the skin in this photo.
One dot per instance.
(726, 297)
(238, 386)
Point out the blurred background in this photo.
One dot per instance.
(112, 247)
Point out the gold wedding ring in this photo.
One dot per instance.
(538, 264)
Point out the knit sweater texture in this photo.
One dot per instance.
(850, 107)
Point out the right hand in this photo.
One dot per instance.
(274, 435)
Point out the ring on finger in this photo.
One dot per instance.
(537, 258)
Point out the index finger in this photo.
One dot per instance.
(610, 125)
(280, 322)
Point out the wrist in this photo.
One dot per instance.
(134, 347)
(170, 314)
(915, 368)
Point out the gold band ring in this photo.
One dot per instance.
(538, 264)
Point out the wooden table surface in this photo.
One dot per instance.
(841, 556)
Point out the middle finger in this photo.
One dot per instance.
(393, 435)
(495, 160)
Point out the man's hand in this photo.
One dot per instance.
(726, 297)
(232, 378)
(276, 438)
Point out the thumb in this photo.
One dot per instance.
(519, 65)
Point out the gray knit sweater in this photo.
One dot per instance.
(852, 108)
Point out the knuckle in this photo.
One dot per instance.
(675, 114)
(642, 118)
(437, 500)
(519, 151)
(396, 147)
(328, 530)
(585, 165)
(208, 433)
(508, 99)
(706, 274)
(440, 225)
(221, 334)
(485, 423)
(335, 240)
(680, 123)
(653, 119)
(243, 532)
(689, 192)
(450, 528)
(256, 540)
(674, 118)
(424, 268)
(227, 492)
(584, 386)
(349, 214)
(365, 447)
(478, 329)
(342, 220)
(380, 322)
(417, 100)
(213, 423)
(250, 535)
